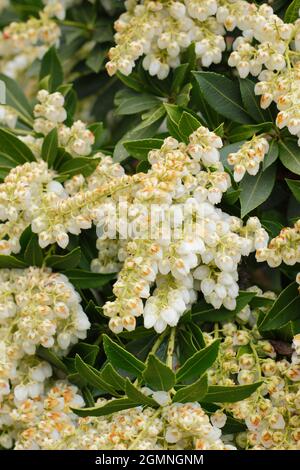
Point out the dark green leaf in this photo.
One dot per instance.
(191, 393)
(69, 261)
(140, 148)
(246, 131)
(92, 376)
(52, 358)
(51, 67)
(14, 148)
(10, 262)
(137, 396)
(16, 99)
(87, 280)
(199, 362)
(157, 375)
(33, 254)
(50, 147)
(111, 376)
(112, 407)
(120, 358)
(222, 95)
(292, 12)
(221, 394)
(272, 154)
(129, 102)
(289, 155)
(188, 124)
(256, 189)
(285, 308)
(294, 187)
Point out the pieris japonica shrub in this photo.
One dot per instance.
(150, 225)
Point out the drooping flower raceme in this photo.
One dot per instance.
(22, 43)
(285, 248)
(248, 157)
(161, 31)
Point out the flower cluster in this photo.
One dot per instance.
(248, 157)
(161, 31)
(176, 426)
(48, 410)
(20, 195)
(22, 43)
(283, 248)
(271, 414)
(50, 113)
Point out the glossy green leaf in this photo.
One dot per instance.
(222, 95)
(15, 148)
(140, 148)
(33, 254)
(122, 359)
(137, 396)
(157, 375)
(222, 394)
(256, 189)
(289, 155)
(63, 262)
(50, 147)
(88, 280)
(191, 393)
(294, 186)
(111, 407)
(199, 362)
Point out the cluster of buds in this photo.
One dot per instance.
(37, 307)
(161, 31)
(22, 43)
(20, 195)
(49, 411)
(176, 426)
(269, 49)
(285, 248)
(50, 113)
(271, 414)
(248, 157)
(57, 8)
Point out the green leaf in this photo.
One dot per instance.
(83, 165)
(285, 308)
(96, 58)
(272, 154)
(140, 148)
(10, 262)
(129, 102)
(221, 394)
(231, 196)
(205, 312)
(49, 356)
(294, 187)
(52, 67)
(69, 261)
(15, 148)
(256, 189)
(137, 396)
(33, 254)
(16, 99)
(146, 128)
(112, 407)
(289, 155)
(222, 95)
(133, 81)
(120, 358)
(199, 362)
(246, 131)
(191, 393)
(88, 397)
(92, 376)
(188, 124)
(157, 375)
(179, 77)
(111, 376)
(251, 102)
(197, 335)
(292, 12)
(87, 352)
(50, 147)
(87, 280)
